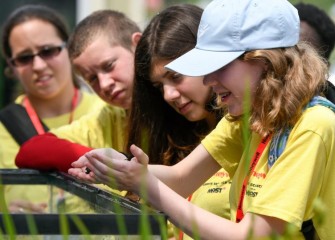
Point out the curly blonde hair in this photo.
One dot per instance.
(293, 77)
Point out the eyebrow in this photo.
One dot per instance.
(107, 60)
(167, 72)
(154, 78)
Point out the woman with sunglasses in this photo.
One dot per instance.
(34, 46)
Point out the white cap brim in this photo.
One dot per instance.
(199, 62)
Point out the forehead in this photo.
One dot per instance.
(34, 31)
(158, 69)
(100, 53)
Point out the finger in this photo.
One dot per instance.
(101, 171)
(105, 167)
(106, 174)
(79, 174)
(81, 162)
(75, 171)
(105, 160)
(138, 153)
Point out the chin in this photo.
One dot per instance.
(235, 113)
(193, 118)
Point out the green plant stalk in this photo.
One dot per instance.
(64, 226)
(162, 227)
(246, 121)
(120, 221)
(144, 222)
(7, 219)
(81, 226)
(31, 226)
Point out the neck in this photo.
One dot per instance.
(53, 107)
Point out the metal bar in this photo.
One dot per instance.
(97, 224)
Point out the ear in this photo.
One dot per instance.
(135, 38)
(10, 71)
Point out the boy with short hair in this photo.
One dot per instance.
(101, 49)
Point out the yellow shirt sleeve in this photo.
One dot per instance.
(103, 128)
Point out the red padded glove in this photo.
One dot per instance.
(47, 152)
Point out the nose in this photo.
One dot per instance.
(170, 93)
(105, 81)
(210, 80)
(39, 63)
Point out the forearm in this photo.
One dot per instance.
(201, 223)
(47, 152)
(183, 214)
(169, 176)
(189, 174)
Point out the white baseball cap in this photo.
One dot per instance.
(228, 28)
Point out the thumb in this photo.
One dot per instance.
(138, 153)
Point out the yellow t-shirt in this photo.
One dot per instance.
(9, 148)
(103, 128)
(213, 196)
(302, 174)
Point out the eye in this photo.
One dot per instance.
(49, 51)
(109, 66)
(91, 79)
(176, 77)
(22, 59)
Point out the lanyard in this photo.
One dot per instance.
(253, 163)
(35, 119)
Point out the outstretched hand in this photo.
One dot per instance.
(109, 167)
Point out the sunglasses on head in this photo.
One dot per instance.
(45, 53)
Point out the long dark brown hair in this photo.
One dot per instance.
(155, 126)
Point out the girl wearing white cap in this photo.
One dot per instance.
(170, 112)
(271, 88)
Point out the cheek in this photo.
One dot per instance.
(171, 104)
(95, 86)
(61, 66)
(23, 75)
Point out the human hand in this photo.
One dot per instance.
(82, 167)
(113, 170)
(23, 206)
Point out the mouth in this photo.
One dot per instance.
(43, 79)
(116, 94)
(184, 107)
(224, 96)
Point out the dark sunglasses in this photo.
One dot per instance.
(45, 53)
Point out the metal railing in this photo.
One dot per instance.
(104, 222)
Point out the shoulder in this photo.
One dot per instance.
(114, 111)
(91, 100)
(319, 121)
(318, 116)
(19, 99)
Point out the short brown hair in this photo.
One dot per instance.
(113, 24)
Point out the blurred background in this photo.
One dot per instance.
(139, 10)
